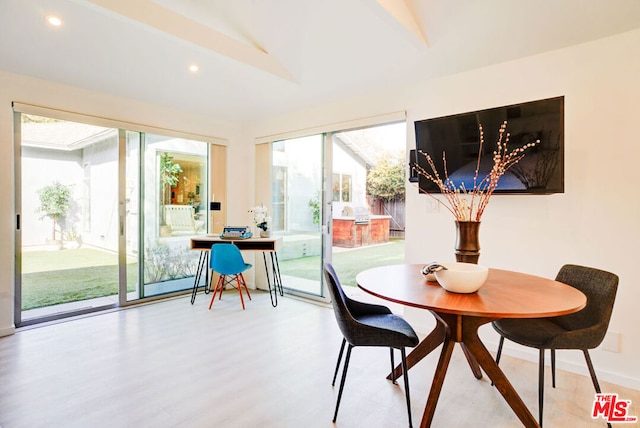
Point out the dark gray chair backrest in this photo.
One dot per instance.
(600, 287)
(346, 322)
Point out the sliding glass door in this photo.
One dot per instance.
(367, 199)
(67, 259)
(174, 206)
(297, 194)
(338, 197)
(104, 216)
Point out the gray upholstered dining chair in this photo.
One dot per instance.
(364, 324)
(582, 330)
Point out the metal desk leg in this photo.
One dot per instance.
(277, 280)
(276, 272)
(272, 292)
(203, 262)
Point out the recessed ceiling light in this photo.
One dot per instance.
(54, 20)
(194, 68)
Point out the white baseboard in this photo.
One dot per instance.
(7, 331)
(580, 368)
(424, 325)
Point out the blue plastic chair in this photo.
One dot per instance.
(226, 260)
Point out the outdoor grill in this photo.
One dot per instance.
(361, 215)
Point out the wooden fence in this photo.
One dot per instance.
(394, 208)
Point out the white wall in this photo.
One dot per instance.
(595, 222)
(68, 169)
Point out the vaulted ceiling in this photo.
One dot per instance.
(258, 58)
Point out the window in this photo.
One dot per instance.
(182, 191)
(341, 187)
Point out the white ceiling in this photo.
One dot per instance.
(260, 58)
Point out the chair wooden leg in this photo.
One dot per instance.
(222, 279)
(406, 384)
(344, 376)
(245, 286)
(335, 374)
(213, 296)
(540, 386)
(393, 365)
(240, 290)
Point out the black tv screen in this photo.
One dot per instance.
(540, 171)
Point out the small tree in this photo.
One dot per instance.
(387, 179)
(169, 173)
(55, 201)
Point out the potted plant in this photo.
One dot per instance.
(261, 220)
(72, 239)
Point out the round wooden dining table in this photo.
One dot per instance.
(505, 294)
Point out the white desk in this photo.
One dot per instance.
(203, 243)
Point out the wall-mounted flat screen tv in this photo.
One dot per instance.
(540, 171)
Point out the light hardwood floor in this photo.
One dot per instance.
(170, 364)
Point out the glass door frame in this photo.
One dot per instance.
(327, 208)
(17, 171)
(122, 215)
(17, 198)
(122, 129)
(265, 174)
(326, 203)
(327, 190)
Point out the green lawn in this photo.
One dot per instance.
(43, 261)
(347, 263)
(54, 277)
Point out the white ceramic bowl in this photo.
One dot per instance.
(462, 277)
